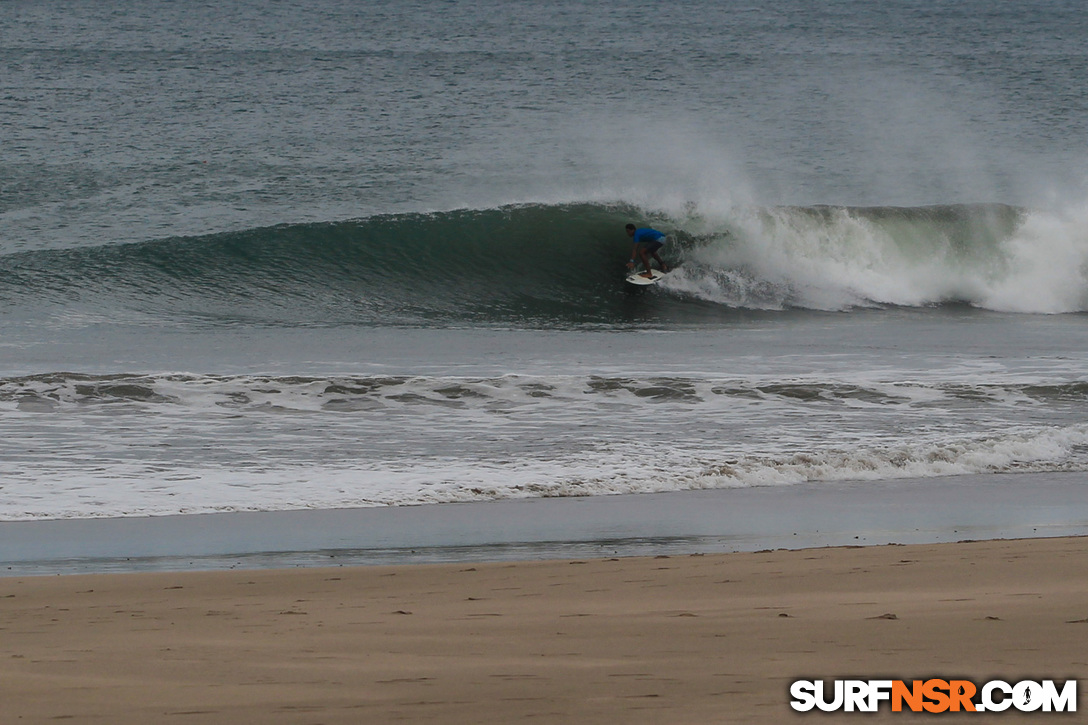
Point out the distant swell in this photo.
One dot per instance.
(563, 264)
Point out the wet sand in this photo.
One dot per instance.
(677, 639)
(819, 514)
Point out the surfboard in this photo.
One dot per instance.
(637, 278)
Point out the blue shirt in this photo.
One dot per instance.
(646, 235)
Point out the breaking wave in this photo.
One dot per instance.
(547, 265)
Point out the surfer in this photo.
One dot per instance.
(647, 242)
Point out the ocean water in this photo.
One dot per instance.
(265, 256)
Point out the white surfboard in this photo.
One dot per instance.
(637, 278)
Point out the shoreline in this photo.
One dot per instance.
(803, 516)
(679, 639)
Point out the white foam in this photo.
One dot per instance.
(773, 258)
(116, 487)
(1045, 265)
(79, 445)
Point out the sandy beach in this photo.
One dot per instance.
(668, 639)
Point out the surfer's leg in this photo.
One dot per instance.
(647, 270)
(651, 249)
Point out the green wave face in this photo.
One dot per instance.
(524, 264)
